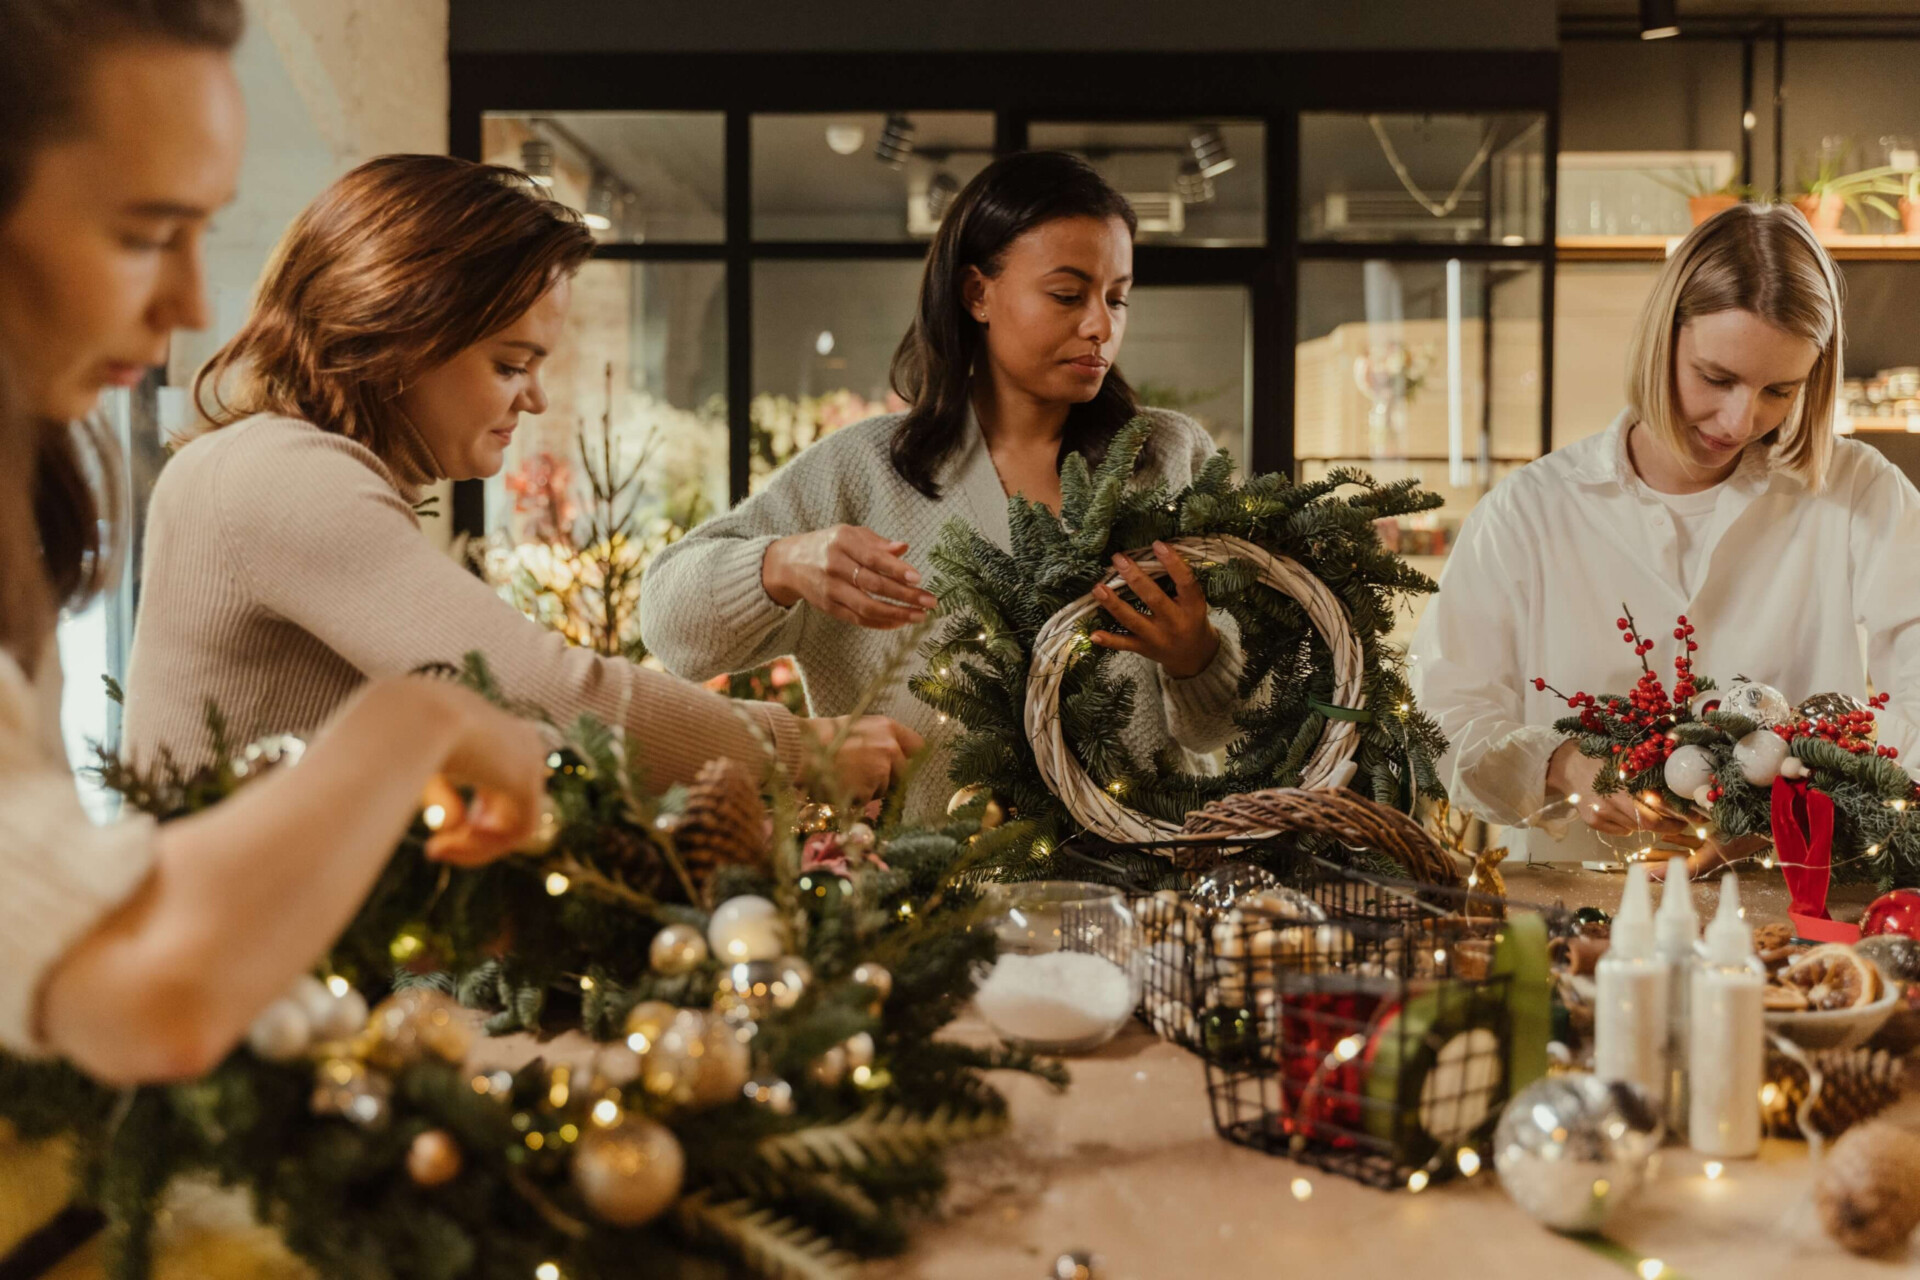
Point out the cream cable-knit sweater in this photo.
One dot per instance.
(703, 610)
(59, 873)
(285, 566)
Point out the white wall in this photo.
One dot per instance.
(328, 84)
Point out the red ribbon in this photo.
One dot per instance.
(1803, 838)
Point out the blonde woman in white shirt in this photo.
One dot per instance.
(1721, 493)
(142, 952)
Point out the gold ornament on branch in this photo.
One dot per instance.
(629, 1174)
(647, 1021)
(870, 974)
(345, 1087)
(433, 1158)
(413, 1024)
(992, 812)
(677, 949)
(815, 818)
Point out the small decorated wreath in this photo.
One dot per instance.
(1299, 567)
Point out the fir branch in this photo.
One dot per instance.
(770, 1246)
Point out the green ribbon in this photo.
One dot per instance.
(1333, 711)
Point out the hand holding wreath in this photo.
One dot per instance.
(1173, 631)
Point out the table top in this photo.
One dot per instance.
(1126, 1164)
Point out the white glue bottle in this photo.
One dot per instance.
(1675, 930)
(1727, 1038)
(1630, 1008)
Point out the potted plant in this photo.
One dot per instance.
(1705, 197)
(1826, 196)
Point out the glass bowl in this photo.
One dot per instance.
(1066, 977)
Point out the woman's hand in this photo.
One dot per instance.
(1175, 630)
(1618, 814)
(502, 759)
(872, 757)
(848, 572)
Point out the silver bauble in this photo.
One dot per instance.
(629, 1174)
(869, 974)
(1760, 755)
(1897, 955)
(1829, 706)
(1571, 1149)
(749, 991)
(344, 1087)
(1221, 889)
(1761, 703)
(281, 1032)
(677, 949)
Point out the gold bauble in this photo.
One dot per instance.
(629, 1174)
(724, 1063)
(992, 813)
(815, 817)
(831, 1068)
(433, 1158)
(670, 1066)
(413, 1024)
(648, 1020)
(677, 949)
(344, 1087)
(771, 1092)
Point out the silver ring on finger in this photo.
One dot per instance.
(856, 576)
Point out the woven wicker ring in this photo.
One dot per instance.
(1331, 764)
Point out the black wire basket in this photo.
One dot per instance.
(1379, 1036)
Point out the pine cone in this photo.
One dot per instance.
(1868, 1188)
(1857, 1084)
(634, 858)
(724, 821)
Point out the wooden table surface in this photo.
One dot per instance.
(1126, 1164)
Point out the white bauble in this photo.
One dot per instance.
(747, 928)
(1761, 703)
(281, 1033)
(1689, 768)
(1760, 755)
(347, 1018)
(314, 1000)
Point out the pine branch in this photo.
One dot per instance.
(876, 1137)
(770, 1246)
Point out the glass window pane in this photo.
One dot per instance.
(656, 177)
(1186, 348)
(824, 334)
(1191, 182)
(863, 177)
(1459, 179)
(645, 354)
(1399, 372)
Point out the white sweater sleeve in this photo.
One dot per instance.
(1466, 668)
(703, 609)
(60, 874)
(1884, 534)
(1200, 709)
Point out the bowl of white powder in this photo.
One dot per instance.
(1066, 978)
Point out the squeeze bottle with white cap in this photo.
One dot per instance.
(1676, 927)
(1727, 1037)
(1630, 1009)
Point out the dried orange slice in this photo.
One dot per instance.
(1833, 977)
(1779, 999)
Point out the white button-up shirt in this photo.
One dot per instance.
(1545, 561)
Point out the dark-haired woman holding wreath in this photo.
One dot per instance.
(1008, 369)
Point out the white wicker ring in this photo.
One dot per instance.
(1053, 650)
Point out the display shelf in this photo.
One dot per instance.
(1906, 424)
(1844, 248)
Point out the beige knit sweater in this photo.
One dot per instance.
(285, 566)
(703, 609)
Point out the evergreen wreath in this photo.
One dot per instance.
(980, 659)
(558, 942)
(1746, 741)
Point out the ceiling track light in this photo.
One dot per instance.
(941, 189)
(536, 160)
(603, 202)
(1659, 19)
(1209, 147)
(895, 143)
(1191, 185)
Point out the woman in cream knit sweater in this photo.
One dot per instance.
(398, 335)
(1009, 367)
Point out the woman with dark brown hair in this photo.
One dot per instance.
(399, 332)
(141, 952)
(1008, 368)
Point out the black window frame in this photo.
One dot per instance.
(1020, 89)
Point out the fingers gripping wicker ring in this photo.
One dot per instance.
(1053, 650)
